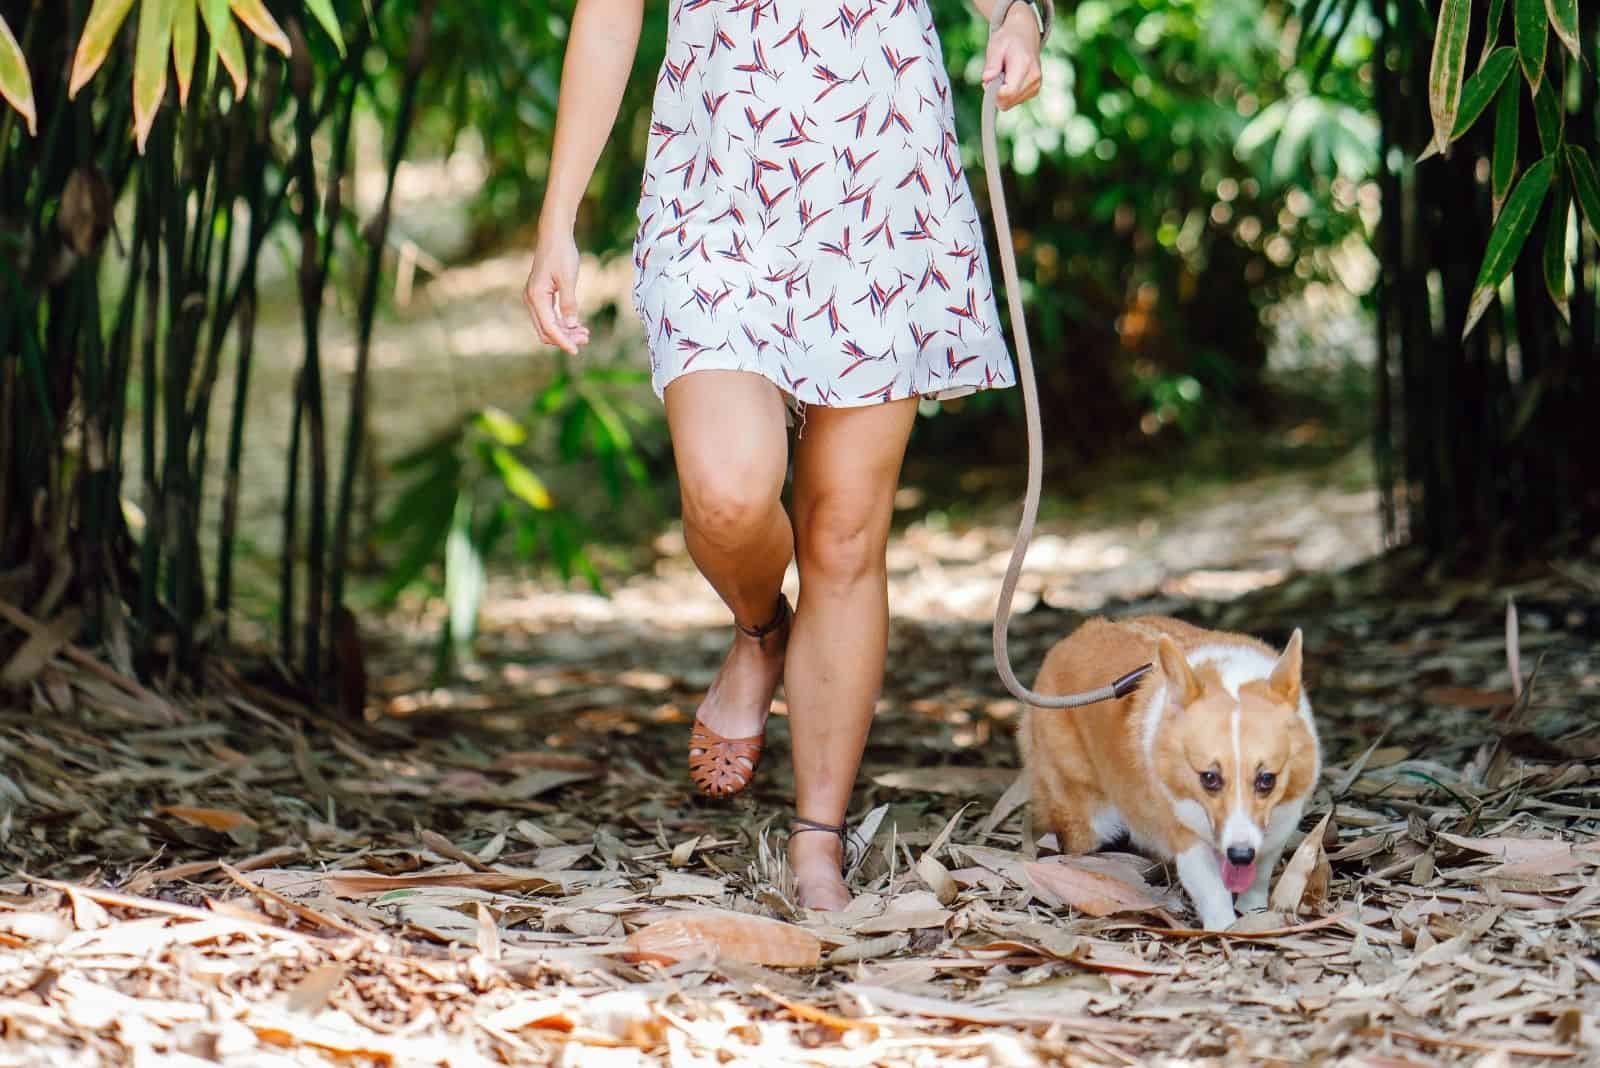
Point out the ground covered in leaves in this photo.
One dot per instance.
(514, 870)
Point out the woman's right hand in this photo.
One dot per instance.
(552, 292)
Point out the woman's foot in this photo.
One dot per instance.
(817, 860)
(736, 707)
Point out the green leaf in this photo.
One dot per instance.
(99, 31)
(1481, 88)
(226, 44)
(1585, 185)
(522, 482)
(1509, 235)
(254, 14)
(323, 10)
(1449, 63)
(150, 64)
(184, 34)
(1491, 29)
(501, 426)
(1507, 124)
(463, 575)
(15, 83)
(1555, 250)
(1547, 114)
(1533, 37)
(1564, 20)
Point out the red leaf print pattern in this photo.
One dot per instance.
(804, 213)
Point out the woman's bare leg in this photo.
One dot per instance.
(731, 447)
(847, 464)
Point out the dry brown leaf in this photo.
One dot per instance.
(40, 648)
(355, 884)
(937, 877)
(1467, 697)
(726, 935)
(310, 995)
(1528, 850)
(215, 819)
(948, 780)
(1095, 893)
(1294, 889)
(904, 920)
(551, 1015)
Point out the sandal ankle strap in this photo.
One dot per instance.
(800, 824)
(780, 617)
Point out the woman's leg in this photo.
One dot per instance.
(847, 464)
(731, 447)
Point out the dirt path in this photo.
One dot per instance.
(458, 882)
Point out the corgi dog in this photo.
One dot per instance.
(1209, 763)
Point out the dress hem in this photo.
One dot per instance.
(797, 407)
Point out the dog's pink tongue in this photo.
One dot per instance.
(1238, 877)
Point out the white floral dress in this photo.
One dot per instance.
(804, 213)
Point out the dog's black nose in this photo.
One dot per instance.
(1241, 855)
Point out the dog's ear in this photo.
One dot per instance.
(1182, 687)
(1285, 678)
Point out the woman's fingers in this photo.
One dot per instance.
(1016, 64)
(1021, 79)
(551, 297)
(567, 295)
(542, 302)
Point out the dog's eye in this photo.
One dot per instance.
(1211, 780)
(1265, 782)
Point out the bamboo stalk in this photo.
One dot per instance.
(150, 549)
(355, 428)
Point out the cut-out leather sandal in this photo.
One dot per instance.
(717, 765)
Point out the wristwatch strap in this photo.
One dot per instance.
(1045, 12)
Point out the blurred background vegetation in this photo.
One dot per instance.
(262, 355)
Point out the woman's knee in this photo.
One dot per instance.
(728, 503)
(842, 538)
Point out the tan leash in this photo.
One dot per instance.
(1030, 403)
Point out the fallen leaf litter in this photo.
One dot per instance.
(256, 884)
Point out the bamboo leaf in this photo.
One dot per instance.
(99, 31)
(1491, 29)
(15, 83)
(1555, 250)
(499, 424)
(1507, 124)
(1449, 63)
(323, 10)
(522, 482)
(1585, 185)
(1509, 235)
(226, 43)
(150, 64)
(1547, 115)
(1564, 20)
(254, 14)
(1533, 37)
(183, 47)
(463, 575)
(1481, 89)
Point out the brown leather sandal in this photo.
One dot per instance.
(717, 764)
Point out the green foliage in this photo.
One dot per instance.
(477, 484)
(1546, 182)
(1179, 177)
(16, 86)
(1481, 416)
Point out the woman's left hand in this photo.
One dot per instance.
(1014, 57)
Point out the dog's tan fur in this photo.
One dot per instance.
(1237, 711)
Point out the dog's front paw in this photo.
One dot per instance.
(1217, 919)
(1253, 899)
